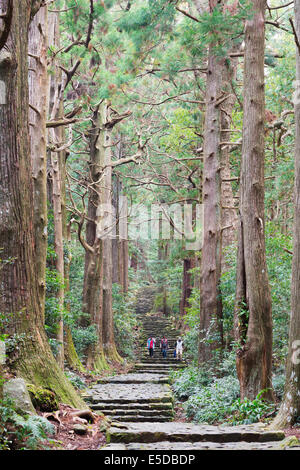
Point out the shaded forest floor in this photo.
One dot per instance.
(65, 437)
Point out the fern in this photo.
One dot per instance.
(26, 431)
(33, 430)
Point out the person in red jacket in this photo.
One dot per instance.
(151, 344)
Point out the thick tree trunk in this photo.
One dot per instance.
(116, 264)
(109, 346)
(38, 93)
(120, 237)
(19, 296)
(57, 163)
(92, 291)
(229, 218)
(71, 356)
(290, 407)
(253, 299)
(210, 299)
(59, 250)
(186, 289)
(123, 244)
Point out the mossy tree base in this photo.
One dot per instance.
(96, 360)
(37, 366)
(112, 355)
(71, 356)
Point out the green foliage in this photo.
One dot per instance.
(13, 343)
(77, 381)
(212, 403)
(53, 312)
(278, 382)
(220, 27)
(190, 380)
(125, 321)
(191, 337)
(279, 270)
(18, 432)
(250, 411)
(83, 338)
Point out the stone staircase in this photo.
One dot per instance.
(157, 326)
(144, 394)
(140, 405)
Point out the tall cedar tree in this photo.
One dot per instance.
(290, 408)
(19, 296)
(253, 311)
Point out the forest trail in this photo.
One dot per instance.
(140, 405)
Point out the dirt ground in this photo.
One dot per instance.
(66, 438)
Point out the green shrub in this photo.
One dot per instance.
(83, 338)
(188, 381)
(211, 404)
(278, 384)
(125, 321)
(250, 411)
(75, 380)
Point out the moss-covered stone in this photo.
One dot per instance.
(42, 398)
(290, 441)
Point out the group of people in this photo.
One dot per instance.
(164, 347)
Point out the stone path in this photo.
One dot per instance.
(176, 436)
(140, 406)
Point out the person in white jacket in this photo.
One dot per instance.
(179, 347)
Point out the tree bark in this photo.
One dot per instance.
(186, 289)
(38, 93)
(92, 292)
(70, 353)
(210, 299)
(19, 296)
(57, 163)
(109, 346)
(290, 407)
(120, 237)
(253, 312)
(229, 218)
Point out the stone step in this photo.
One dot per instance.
(155, 406)
(186, 446)
(161, 365)
(143, 419)
(158, 358)
(138, 412)
(166, 361)
(158, 372)
(157, 334)
(122, 393)
(157, 351)
(136, 378)
(157, 366)
(187, 432)
(165, 372)
(143, 347)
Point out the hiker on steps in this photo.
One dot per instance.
(179, 347)
(164, 346)
(151, 345)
